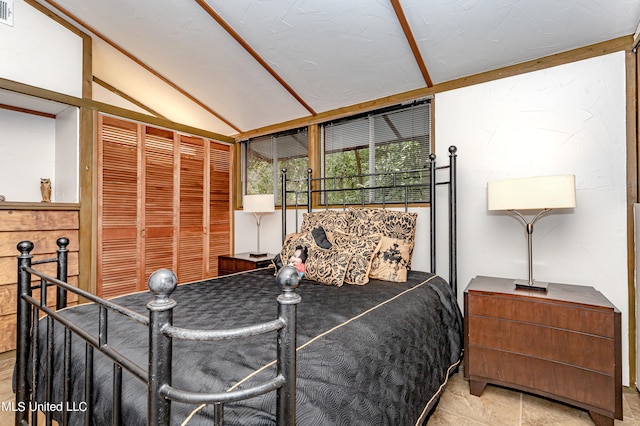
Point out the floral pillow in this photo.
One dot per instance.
(327, 266)
(329, 220)
(390, 223)
(391, 260)
(362, 249)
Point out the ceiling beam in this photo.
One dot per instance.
(142, 64)
(204, 5)
(27, 111)
(397, 8)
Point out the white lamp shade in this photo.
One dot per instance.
(533, 193)
(258, 203)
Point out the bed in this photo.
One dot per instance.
(261, 347)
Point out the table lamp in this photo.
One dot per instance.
(537, 196)
(258, 204)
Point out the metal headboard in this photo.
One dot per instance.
(322, 186)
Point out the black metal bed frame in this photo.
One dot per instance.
(161, 332)
(320, 186)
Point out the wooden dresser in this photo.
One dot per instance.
(42, 224)
(564, 344)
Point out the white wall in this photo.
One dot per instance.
(67, 179)
(50, 58)
(34, 147)
(568, 119)
(27, 153)
(246, 235)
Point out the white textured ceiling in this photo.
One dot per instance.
(326, 54)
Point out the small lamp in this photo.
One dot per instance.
(542, 194)
(258, 204)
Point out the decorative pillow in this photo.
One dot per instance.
(329, 220)
(291, 241)
(401, 225)
(362, 249)
(366, 221)
(327, 266)
(390, 223)
(391, 261)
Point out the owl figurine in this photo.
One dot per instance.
(45, 190)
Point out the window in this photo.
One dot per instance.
(379, 143)
(266, 156)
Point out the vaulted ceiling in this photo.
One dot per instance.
(230, 66)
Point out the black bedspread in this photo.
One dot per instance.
(377, 354)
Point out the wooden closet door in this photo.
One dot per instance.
(158, 214)
(191, 249)
(164, 201)
(219, 204)
(117, 262)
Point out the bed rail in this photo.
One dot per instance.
(161, 332)
(307, 187)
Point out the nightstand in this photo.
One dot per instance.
(232, 263)
(563, 344)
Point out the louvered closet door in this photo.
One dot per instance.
(158, 242)
(117, 208)
(164, 201)
(219, 204)
(191, 251)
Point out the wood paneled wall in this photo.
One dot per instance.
(42, 225)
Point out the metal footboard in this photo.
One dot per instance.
(161, 333)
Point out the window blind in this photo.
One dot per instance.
(383, 143)
(266, 156)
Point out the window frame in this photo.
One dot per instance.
(316, 154)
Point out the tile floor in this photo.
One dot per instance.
(499, 406)
(496, 407)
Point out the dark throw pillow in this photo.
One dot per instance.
(320, 238)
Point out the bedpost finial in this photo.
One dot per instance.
(62, 242)
(162, 283)
(453, 149)
(288, 279)
(25, 247)
(432, 157)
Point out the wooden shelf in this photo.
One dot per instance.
(17, 205)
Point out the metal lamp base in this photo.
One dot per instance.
(534, 285)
